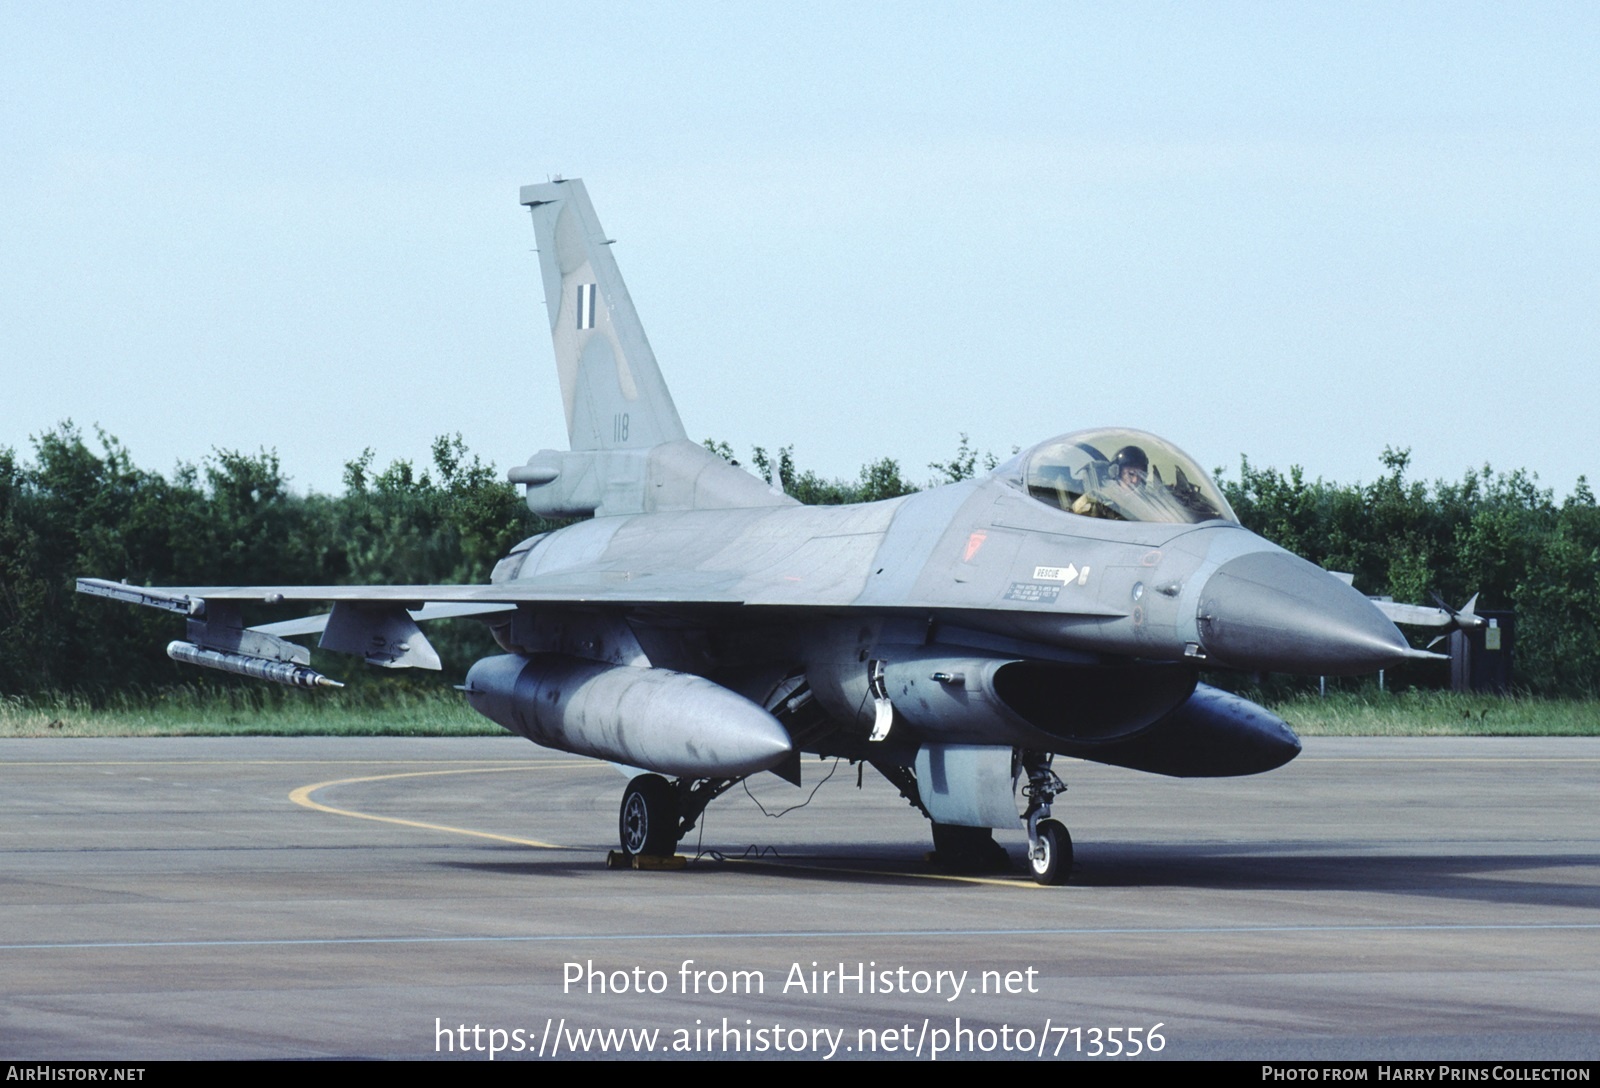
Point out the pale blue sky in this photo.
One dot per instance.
(1299, 232)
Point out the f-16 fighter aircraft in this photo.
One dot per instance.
(701, 626)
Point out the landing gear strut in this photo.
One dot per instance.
(1049, 844)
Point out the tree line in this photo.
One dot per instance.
(80, 508)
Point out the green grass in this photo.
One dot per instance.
(1438, 714)
(248, 712)
(376, 710)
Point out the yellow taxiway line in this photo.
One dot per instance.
(302, 797)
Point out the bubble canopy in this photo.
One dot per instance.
(1120, 475)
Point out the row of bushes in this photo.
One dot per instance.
(73, 509)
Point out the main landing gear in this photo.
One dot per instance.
(656, 813)
(1049, 844)
(648, 823)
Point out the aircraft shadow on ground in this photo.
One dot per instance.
(1495, 878)
(819, 863)
(1522, 879)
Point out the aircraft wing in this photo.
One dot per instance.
(1465, 618)
(1413, 615)
(379, 623)
(1421, 615)
(576, 587)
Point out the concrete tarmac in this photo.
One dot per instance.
(401, 898)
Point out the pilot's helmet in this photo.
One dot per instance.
(1131, 457)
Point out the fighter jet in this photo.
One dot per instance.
(700, 626)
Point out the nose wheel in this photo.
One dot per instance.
(1050, 855)
(1049, 845)
(648, 822)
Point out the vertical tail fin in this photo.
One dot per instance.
(611, 387)
(628, 451)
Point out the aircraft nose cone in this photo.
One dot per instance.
(1276, 612)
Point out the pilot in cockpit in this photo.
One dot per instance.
(1127, 470)
(1130, 467)
(1145, 480)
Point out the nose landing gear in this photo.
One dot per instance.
(1049, 844)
